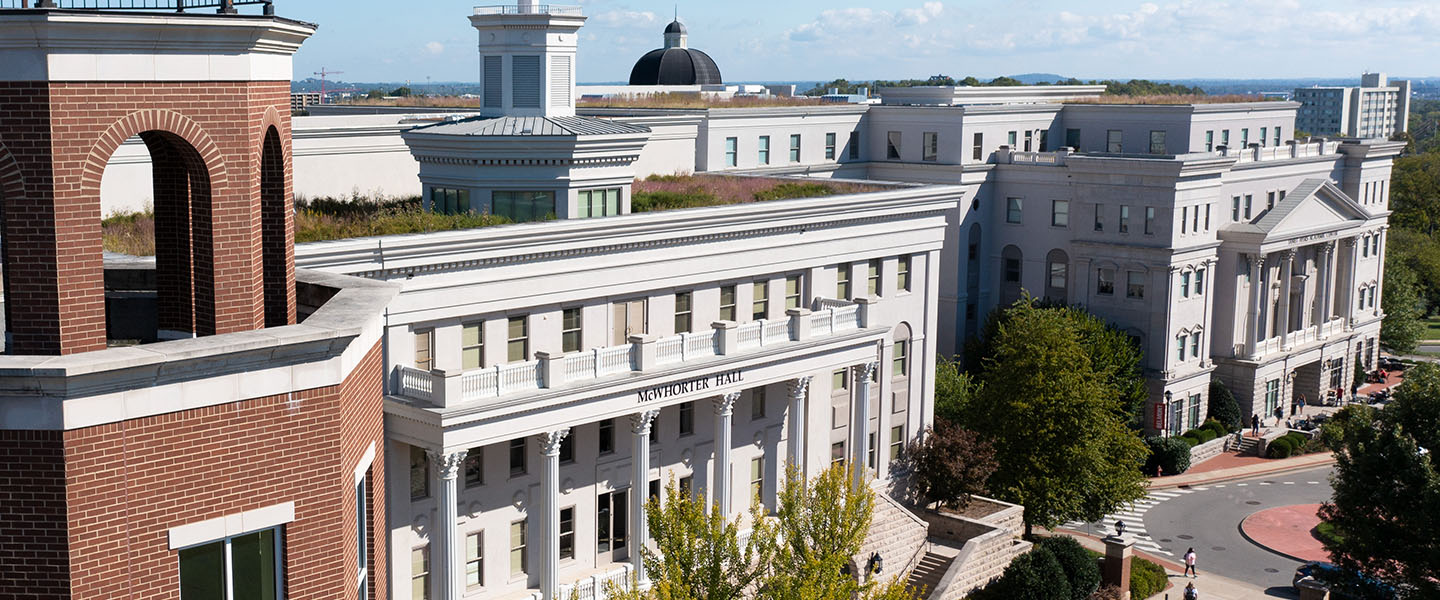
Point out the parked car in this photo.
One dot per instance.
(1356, 586)
(1390, 363)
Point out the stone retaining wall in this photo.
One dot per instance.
(1211, 449)
(988, 544)
(896, 533)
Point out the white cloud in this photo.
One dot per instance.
(920, 16)
(435, 48)
(844, 22)
(625, 18)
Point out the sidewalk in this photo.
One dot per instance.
(1211, 586)
(1261, 466)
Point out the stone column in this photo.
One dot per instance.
(1118, 554)
(1257, 269)
(444, 545)
(721, 492)
(640, 460)
(860, 421)
(549, 512)
(1287, 261)
(1380, 268)
(1352, 249)
(1327, 283)
(795, 448)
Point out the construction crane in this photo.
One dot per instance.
(323, 74)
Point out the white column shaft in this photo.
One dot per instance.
(720, 495)
(445, 543)
(795, 442)
(640, 461)
(860, 423)
(549, 513)
(1256, 323)
(1286, 262)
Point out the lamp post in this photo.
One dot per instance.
(1168, 425)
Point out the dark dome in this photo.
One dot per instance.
(675, 66)
(675, 27)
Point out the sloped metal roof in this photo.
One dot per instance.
(532, 126)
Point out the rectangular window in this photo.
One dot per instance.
(523, 206)
(829, 146)
(1210, 140)
(1105, 282)
(1277, 136)
(1149, 220)
(419, 473)
(1184, 214)
(474, 560)
(472, 346)
(424, 348)
(517, 344)
(519, 558)
(839, 382)
(854, 145)
(1099, 217)
(687, 419)
(757, 479)
(599, 203)
(474, 467)
(902, 274)
(757, 404)
(567, 449)
(1207, 217)
(1249, 201)
(760, 300)
(1012, 210)
(764, 150)
(1044, 137)
(1245, 137)
(1185, 284)
(1199, 282)
(611, 524)
(1029, 139)
(727, 303)
(795, 148)
(897, 442)
(1269, 200)
(449, 201)
(837, 453)
(1157, 142)
(1264, 135)
(606, 442)
(567, 533)
(686, 485)
(842, 283)
(930, 146)
(1180, 349)
(731, 149)
(1124, 219)
(1272, 394)
(570, 330)
(1235, 209)
(1195, 345)
(1194, 410)
(1112, 140)
(977, 150)
(792, 291)
(1225, 138)
(1072, 138)
(892, 145)
(900, 359)
(1134, 284)
(247, 566)
(419, 575)
(870, 450)
(1060, 213)
(683, 314)
(362, 534)
(872, 278)
(517, 457)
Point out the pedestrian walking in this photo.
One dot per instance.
(1190, 592)
(1255, 425)
(1279, 415)
(1190, 564)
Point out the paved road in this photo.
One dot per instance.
(1208, 519)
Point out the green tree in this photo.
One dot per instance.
(1404, 310)
(1386, 502)
(820, 526)
(1415, 192)
(1004, 81)
(954, 389)
(1062, 443)
(950, 464)
(401, 91)
(1223, 407)
(1080, 569)
(970, 81)
(1034, 575)
(375, 94)
(1420, 253)
(700, 555)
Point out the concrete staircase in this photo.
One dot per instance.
(1248, 445)
(927, 574)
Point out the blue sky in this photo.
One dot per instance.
(784, 40)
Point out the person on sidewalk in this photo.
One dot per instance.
(1255, 425)
(1190, 564)
(1279, 415)
(1190, 592)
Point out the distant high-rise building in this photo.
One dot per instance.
(1376, 109)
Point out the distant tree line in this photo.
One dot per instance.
(1134, 87)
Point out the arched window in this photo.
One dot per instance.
(1012, 264)
(901, 352)
(1057, 276)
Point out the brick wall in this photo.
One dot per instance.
(61, 135)
(130, 482)
(33, 558)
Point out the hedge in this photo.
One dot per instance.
(1191, 438)
(1034, 575)
(1080, 568)
(1146, 578)
(1281, 447)
(1171, 454)
(1216, 426)
(1205, 435)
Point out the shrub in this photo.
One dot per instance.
(1192, 438)
(1171, 454)
(1080, 569)
(1034, 575)
(667, 200)
(786, 191)
(1281, 447)
(950, 464)
(1146, 578)
(1219, 428)
(1205, 435)
(1223, 407)
(1108, 592)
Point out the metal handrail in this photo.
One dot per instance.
(527, 9)
(222, 6)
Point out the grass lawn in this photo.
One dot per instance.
(1432, 328)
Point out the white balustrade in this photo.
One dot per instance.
(580, 365)
(847, 318)
(824, 303)
(822, 322)
(416, 383)
(612, 360)
(515, 377)
(480, 384)
(670, 350)
(699, 345)
(774, 332)
(748, 334)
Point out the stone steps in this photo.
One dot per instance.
(927, 574)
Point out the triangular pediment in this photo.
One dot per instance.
(1315, 206)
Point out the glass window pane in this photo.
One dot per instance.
(202, 572)
(253, 562)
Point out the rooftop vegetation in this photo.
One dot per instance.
(669, 192)
(688, 100)
(1169, 99)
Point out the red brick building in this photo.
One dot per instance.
(235, 455)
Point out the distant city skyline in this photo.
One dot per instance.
(807, 40)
